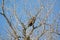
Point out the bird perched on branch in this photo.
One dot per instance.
(31, 21)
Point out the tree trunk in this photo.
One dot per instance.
(27, 38)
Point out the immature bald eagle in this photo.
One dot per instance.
(32, 21)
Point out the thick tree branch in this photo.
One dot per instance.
(7, 19)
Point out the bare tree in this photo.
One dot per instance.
(33, 25)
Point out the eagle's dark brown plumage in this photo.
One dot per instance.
(32, 21)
